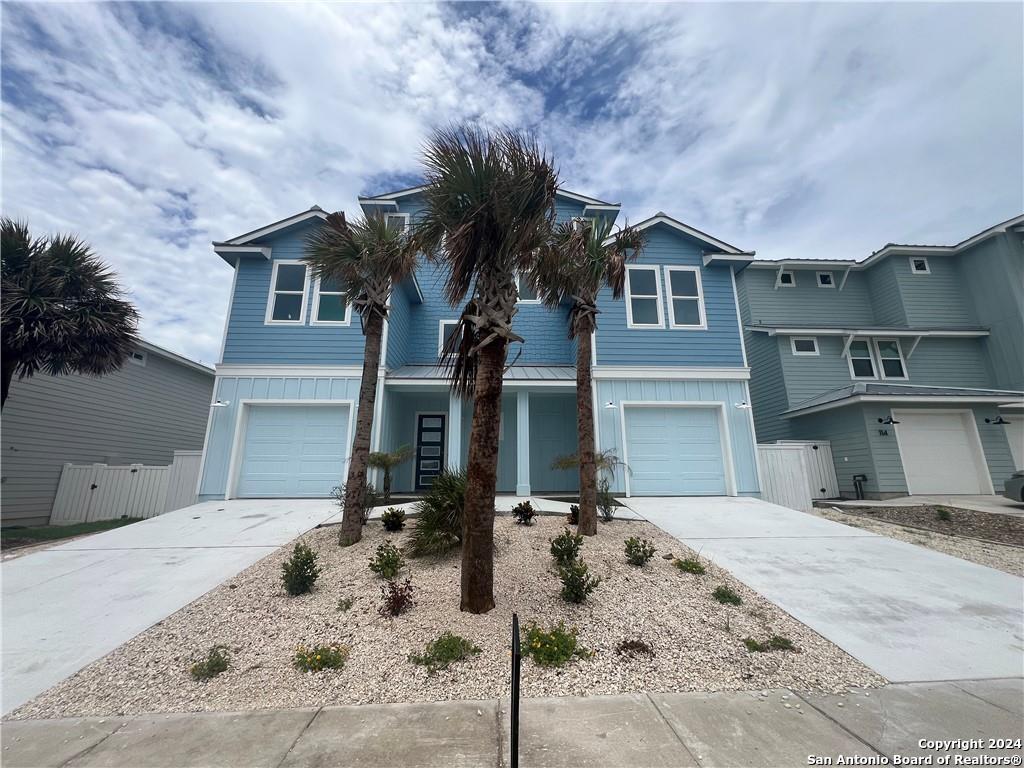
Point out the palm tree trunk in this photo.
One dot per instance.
(352, 517)
(9, 365)
(585, 429)
(482, 482)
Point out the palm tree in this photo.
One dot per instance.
(488, 208)
(62, 309)
(387, 461)
(580, 258)
(366, 258)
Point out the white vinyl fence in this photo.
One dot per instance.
(90, 492)
(821, 472)
(784, 477)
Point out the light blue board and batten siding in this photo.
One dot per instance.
(250, 340)
(221, 429)
(729, 392)
(719, 345)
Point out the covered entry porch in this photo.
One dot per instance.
(538, 424)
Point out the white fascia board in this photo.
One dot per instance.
(728, 258)
(952, 334)
(599, 208)
(569, 384)
(688, 230)
(276, 226)
(920, 399)
(388, 197)
(290, 371)
(581, 198)
(381, 203)
(175, 357)
(231, 253)
(666, 373)
(790, 264)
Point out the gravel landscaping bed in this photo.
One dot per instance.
(1002, 529)
(1002, 557)
(698, 642)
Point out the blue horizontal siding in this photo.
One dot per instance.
(719, 345)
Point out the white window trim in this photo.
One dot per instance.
(831, 276)
(440, 335)
(927, 267)
(399, 215)
(515, 276)
(268, 317)
(657, 298)
(792, 345)
(315, 310)
(881, 368)
(703, 325)
(871, 357)
(792, 274)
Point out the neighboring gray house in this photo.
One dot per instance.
(911, 362)
(158, 402)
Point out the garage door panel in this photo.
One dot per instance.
(293, 451)
(939, 453)
(674, 451)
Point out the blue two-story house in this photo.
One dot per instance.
(670, 372)
(910, 362)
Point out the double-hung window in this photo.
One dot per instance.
(862, 364)
(288, 285)
(643, 298)
(890, 359)
(398, 221)
(685, 298)
(329, 304)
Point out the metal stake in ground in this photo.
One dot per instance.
(514, 708)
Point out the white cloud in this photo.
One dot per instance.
(829, 129)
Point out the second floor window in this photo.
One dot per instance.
(287, 293)
(862, 365)
(685, 297)
(527, 293)
(890, 359)
(643, 298)
(329, 303)
(448, 332)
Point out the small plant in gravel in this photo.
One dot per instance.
(606, 503)
(634, 648)
(300, 571)
(565, 547)
(524, 513)
(577, 582)
(773, 643)
(443, 652)
(216, 661)
(371, 499)
(345, 603)
(387, 561)
(393, 519)
(396, 598)
(573, 515)
(552, 647)
(639, 551)
(726, 595)
(690, 565)
(943, 515)
(438, 525)
(320, 657)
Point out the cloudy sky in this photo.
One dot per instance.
(821, 130)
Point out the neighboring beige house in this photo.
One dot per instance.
(157, 403)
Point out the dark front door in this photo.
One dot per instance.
(430, 433)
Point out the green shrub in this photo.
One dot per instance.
(690, 565)
(300, 571)
(553, 647)
(524, 513)
(774, 643)
(320, 657)
(438, 525)
(565, 547)
(942, 514)
(345, 604)
(634, 648)
(574, 514)
(726, 595)
(639, 551)
(577, 582)
(216, 661)
(387, 561)
(443, 652)
(606, 504)
(397, 598)
(393, 519)
(371, 499)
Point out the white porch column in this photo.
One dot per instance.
(522, 443)
(376, 476)
(454, 458)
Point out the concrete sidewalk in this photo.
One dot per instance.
(768, 728)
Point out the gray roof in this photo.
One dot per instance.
(852, 393)
(515, 373)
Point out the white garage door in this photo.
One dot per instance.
(293, 450)
(940, 452)
(674, 451)
(1015, 436)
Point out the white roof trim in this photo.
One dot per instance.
(951, 334)
(276, 226)
(694, 233)
(582, 198)
(738, 258)
(377, 202)
(176, 358)
(225, 250)
(669, 373)
(388, 197)
(933, 399)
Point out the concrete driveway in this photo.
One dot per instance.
(910, 613)
(69, 605)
